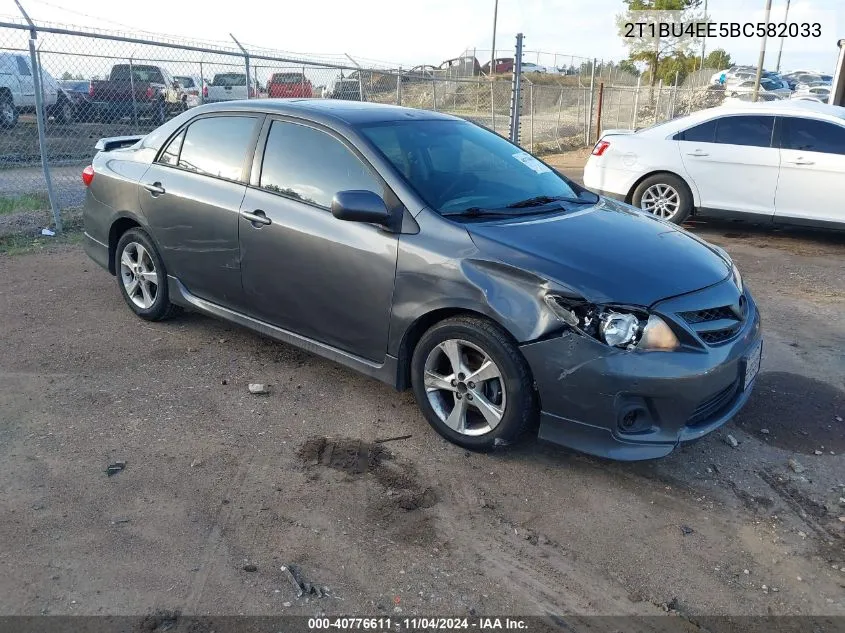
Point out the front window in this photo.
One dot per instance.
(455, 165)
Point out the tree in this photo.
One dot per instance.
(647, 16)
(717, 59)
(628, 66)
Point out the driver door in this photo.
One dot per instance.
(303, 269)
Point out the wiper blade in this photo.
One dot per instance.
(538, 201)
(476, 212)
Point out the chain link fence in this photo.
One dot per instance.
(96, 84)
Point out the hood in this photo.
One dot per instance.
(610, 253)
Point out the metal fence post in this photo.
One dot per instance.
(557, 126)
(674, 97)
(132, 88)
(492, 105)
(657, 102)
(434, 91)
(588, 132)
(246, 66)
(516, 87)
(399, 87)
(531, 105)
(202, 85)
(598, 114)
(41, 119)
(636, 105)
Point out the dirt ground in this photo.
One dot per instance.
(222, 488)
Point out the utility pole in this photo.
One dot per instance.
(493, 48)
(780, 49)
(762, 57)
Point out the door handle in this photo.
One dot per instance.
(257, 217)
(155, 188)
(801, 161)
(697, 152)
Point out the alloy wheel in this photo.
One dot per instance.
(138, 274)
(465, 387)
(661, 200)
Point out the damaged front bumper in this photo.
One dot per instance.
(632, 405)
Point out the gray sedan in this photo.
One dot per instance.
(431, 253)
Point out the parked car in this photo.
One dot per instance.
(818, 93)
(777, 162)
(229, 87)
(194, 89)
(464, 66)
(503, 66)
(424, 72)
(77, 92)
(17, 92)
(285, 85)
(430, 253)
(528, 67)
(136, 90)
(347, 89)
(769, 86)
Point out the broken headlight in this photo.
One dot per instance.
(620, 327)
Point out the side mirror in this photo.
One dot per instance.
(361, 206)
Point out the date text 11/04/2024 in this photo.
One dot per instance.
(416, 624)
(722, 29)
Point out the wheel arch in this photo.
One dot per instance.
(420, 326)
(122, 223)
(629, 197)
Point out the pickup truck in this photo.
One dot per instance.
(136, 90)
(17, 91)
(229, 86)
(287, 85)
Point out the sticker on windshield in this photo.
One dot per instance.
(532, 163)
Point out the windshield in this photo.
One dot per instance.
(455, 165)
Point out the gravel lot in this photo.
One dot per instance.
(221, 488)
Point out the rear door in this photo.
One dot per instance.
(191, 197)
(303, 269)
(812, 172)
(732, 162)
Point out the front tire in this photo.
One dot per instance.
(141, 276)
(8, 112)
(64, 111)
(665, 196)
(472, 383)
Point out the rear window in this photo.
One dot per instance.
(229, 79)
(288, 78)
(811, 135)
(144, 74)
(217, 146)
(186, 82)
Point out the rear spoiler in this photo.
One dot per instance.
(116, 142)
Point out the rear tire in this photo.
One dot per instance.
(665, 196)
(473, 384)
(141, 276)
(64, 111)
(8, 112)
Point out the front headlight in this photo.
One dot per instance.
(623, 328)
(736, 277)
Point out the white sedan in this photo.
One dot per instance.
(782, 161)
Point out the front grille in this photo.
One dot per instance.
(713, 405)
(714, 337)
(710, 314)
(717, 325)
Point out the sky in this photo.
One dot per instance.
(429, 31)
